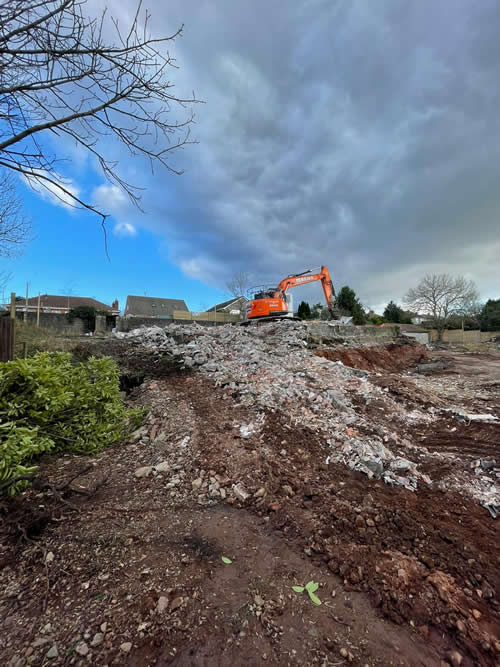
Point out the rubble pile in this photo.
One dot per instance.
(270, 368)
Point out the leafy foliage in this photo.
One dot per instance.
(395, 314)
(48, 404)
(85, 313)
(376, 319)
(490, 315)
(392, 312)
(304, 311)
(311, 587)
(349, 304)
(316, 311)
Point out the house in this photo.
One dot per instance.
(234, 306)
(151, 306)
(60, 304)
(418, 319)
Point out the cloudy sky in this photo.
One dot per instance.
(361, 135)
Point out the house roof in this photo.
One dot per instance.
(225, 304)
(61, 301)
(150, 306)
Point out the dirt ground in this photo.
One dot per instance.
(122, 564)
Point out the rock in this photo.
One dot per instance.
(49, 558)
(196, 483)
(52, 652)
(359, 521)
(370, 522)
(176, 603)
(258, 600)
(98, 639)
(461, 626)
(81, 648)
(40, 642)
(126, 647)
(222, 493)
(144, 471)
(164, 466)
(274, 507)
(477, 614)
(260, 493)
(455, 658)
(288, 489)
(487, 464)
(104, 627)
(162, 604)
(240, 492)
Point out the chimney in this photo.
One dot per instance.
(114, 305)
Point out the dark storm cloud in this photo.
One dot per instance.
(363, 135)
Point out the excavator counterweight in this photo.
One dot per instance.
(275, 302)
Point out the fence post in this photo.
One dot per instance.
(12, 350)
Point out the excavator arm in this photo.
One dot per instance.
(306, 277)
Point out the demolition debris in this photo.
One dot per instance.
(270, 368)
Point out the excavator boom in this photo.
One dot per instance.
(274, 303)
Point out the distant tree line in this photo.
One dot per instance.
(443, 301)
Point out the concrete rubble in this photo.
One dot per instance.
(271, 368)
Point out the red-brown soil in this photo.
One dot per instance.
(394, 357)
(405, 578)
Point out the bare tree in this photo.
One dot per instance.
(14, 227)
(441, 297)
(61, 76)
(238, 284)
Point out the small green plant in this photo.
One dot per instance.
(49, 404)
(226, 561)
(311, 587)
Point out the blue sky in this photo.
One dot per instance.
(360, 135)
(67, 255)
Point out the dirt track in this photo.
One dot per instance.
(405, 578)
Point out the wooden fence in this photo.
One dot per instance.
(464, 337)
(7, 338)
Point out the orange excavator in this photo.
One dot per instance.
(276, 302)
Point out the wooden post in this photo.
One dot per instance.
(13, 323)
(12, 305)
(25, 317)
(38, 311)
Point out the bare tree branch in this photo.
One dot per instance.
(238, 284)
(14, 227)
(441, 297)
(60, 74)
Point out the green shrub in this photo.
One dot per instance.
(49, 404)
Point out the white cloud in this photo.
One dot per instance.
(52, 191)
(124, 229)
(110, 198)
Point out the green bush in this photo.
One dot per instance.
(49, 404)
